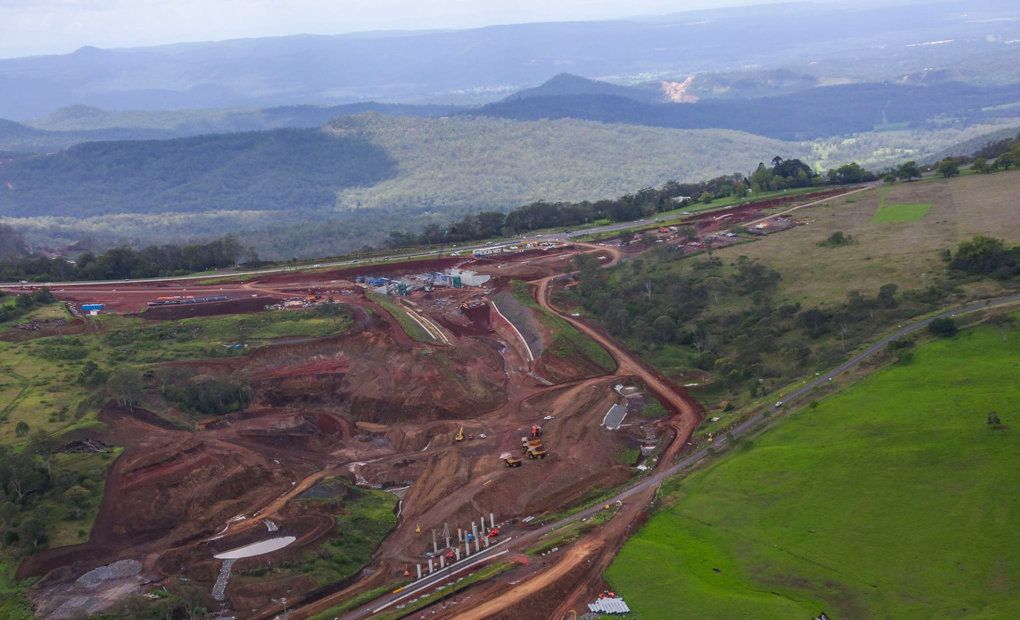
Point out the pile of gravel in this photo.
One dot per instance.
(117, 570)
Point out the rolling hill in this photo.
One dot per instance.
(809, 114)
(72, 125)
(404, 171)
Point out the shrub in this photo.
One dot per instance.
(943, 327)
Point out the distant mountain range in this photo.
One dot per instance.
(827, 41)
(810, 114)
(805, 115)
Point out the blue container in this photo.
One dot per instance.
(91, 307)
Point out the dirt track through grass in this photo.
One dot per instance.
(890, 499)
(905, 254)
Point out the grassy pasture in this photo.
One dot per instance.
(890, 499)
(901, 213)
(906, 254)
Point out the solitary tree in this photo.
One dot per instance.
(993, 419)
(943, 327)
(45, 446)
(948, 168)
(887, 295)
(125, 385)
(908, 171)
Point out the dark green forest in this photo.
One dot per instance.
(779, 175)
(280, 170)
(121, 262)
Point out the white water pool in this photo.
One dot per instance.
(259, 548)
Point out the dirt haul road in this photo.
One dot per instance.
(580, 569)
(688, 412)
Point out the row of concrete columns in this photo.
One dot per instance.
(478, 534)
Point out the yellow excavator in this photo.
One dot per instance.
(460, 435)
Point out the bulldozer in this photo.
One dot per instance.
(460, 434)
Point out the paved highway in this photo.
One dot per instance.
(467, 249)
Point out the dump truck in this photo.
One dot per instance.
(510, 460)
(533, 448)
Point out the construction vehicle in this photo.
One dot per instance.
(494, 532)
(450, 555)
(536, 431)
(533, 448)
(460, 435)
(510, 460)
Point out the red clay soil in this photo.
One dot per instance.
(371, 404)
(44, 329)
(243, 305)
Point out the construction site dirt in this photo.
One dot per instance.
(377, 407)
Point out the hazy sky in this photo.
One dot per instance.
(59, 26)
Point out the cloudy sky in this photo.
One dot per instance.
(59, 26)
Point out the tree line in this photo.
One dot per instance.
(124, 262)
(780, 174)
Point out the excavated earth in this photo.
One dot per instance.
(371, 405)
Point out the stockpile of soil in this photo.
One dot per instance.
(243, 305)
(372, 379)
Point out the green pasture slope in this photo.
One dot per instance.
(900, 213)
(897, 213)
(891, 499)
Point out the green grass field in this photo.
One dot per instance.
(891, 499)
(901, 213)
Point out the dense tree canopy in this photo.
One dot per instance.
(123, 262)
(781, 174)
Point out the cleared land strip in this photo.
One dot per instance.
(810, 204)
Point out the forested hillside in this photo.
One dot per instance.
(472, 163)
(406, 172)
(805, 115)
(286, 169)
(77, 124)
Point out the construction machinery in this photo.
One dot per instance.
(510, 460)
(460, 434)
(533, 448)
(536, 431)
(494, 532)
